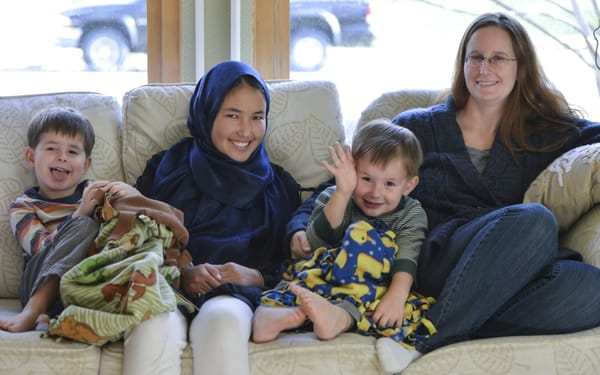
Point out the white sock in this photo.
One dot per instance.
(394, 357)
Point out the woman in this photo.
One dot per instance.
(494, 264)
(235, 205)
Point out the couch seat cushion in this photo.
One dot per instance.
(27, 353)
(290, 354)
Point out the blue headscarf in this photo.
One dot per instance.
(230, 182)
(234, 211)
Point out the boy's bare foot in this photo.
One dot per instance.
(268, 322)
(328, 319)
(26, 320)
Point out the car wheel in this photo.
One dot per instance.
(308, 50)
(104, 49)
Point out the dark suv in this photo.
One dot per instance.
(315, 25)
(106, 31)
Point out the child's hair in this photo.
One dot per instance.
(381, 141)
(61, 120)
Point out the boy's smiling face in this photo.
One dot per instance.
(379, 189)
(59, 162)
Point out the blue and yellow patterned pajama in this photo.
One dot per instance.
(359, 271)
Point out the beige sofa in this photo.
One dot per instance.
(305, 118)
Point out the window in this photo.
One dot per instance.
(52, 46)
(405, 51)
(415, 43)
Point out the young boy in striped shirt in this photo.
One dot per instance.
(52, 221)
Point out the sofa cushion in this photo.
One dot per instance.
(26, 353)
(289, 354)
(16, 176)
(570, 187)
(566, 354)
(389, 104)
(304, 119)
(154, 118)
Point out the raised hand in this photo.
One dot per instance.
(343, 168)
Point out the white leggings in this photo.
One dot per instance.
(154, 347)
(219, 337)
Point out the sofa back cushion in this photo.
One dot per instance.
(389, 104)
(16, 176)
(304, 119)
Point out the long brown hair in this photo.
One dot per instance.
(533, 96)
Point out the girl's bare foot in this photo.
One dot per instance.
(328, 319)
(268, 322)
(26, 320)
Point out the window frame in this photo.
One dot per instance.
(270, 41)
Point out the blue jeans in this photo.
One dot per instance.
(507, 281)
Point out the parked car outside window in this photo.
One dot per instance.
(316, 25)
(106, 31)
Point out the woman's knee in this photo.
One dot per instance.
(533, 216)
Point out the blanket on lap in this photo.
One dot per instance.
(129, 273)
(359, 271)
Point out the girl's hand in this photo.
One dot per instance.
(299, 246)
(237, 274)
(343, 168)
(200, 279)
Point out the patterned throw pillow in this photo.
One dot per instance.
(570, 188)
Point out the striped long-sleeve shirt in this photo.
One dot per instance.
(34, 220)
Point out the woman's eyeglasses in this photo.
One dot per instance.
(496, 61)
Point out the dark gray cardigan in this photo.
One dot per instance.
(451, 189)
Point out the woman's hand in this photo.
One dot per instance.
(299, 246)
